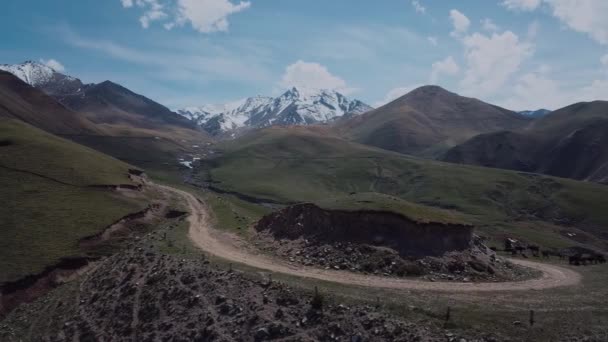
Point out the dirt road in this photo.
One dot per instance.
(212, 242)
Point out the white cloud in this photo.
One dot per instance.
(187, 59)
(460, 21)
(536, 90)
(394, 94)
(54, 64)
(433, 41)
(597, 90)
(418, 7)
(586, 16)
(312, 76)
(208, 15)
(522, 5)
(447, 66)
(604, 61)
(150, 16)
(489, 25)
(533, 30)
(492, 60)
(203, 15)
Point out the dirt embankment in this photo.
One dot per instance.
(211, 241)
(376, 228)
(381, 243)
(33, 286)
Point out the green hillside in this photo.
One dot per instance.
(297, 164)
(46, 205)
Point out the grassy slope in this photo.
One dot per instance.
(380, 202)
(41, 219)
(293, 165)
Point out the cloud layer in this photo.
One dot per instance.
(204, 16)
(312, 76)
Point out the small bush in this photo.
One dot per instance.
(317, 301)
(409, 269)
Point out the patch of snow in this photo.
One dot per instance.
(187, 164)
(297, 106)
(33, 73)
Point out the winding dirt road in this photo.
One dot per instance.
(210, 240)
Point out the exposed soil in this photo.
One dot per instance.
(381, 243)
(36, 285)
(231, 249)
(475, 264)
(33, 286)
(124, 224)
(142, 295)
(378, 228)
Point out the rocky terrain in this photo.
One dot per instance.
(476, 264)
(138, 295)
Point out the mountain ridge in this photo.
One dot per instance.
(296, 106)
(427, 121)
(568, 142)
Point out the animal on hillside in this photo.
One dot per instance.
(574, 259)
(546, 253)
(586, 258)
(534, 249)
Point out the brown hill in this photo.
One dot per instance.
(113, 104)
(427, 121)
(107, 117)
(18, 100)
(570, 142)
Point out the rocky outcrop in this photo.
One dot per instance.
(385, 229)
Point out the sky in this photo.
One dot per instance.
(519, 54)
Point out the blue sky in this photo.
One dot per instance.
(522, 54)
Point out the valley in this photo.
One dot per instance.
(306, 216)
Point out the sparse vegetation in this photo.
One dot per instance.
(295, 165)
(47, 206)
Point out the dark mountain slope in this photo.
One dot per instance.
(111, 103)
(427, 121)
(19, 100)
(571, 142)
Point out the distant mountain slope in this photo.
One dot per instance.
(294, 107)
(21, 101)
(427, 121)
(44, 77)
(103, 103)
(570, 142)
(304, 164)
(105, 116)
(535, 113)
(111, 103)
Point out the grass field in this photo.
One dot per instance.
(299, 165)
(380, 202)
(46, 205)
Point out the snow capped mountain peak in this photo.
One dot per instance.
(296, 106)
(30, 72)
(43, 76)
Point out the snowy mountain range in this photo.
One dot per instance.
(296, 106)
(44, 77)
